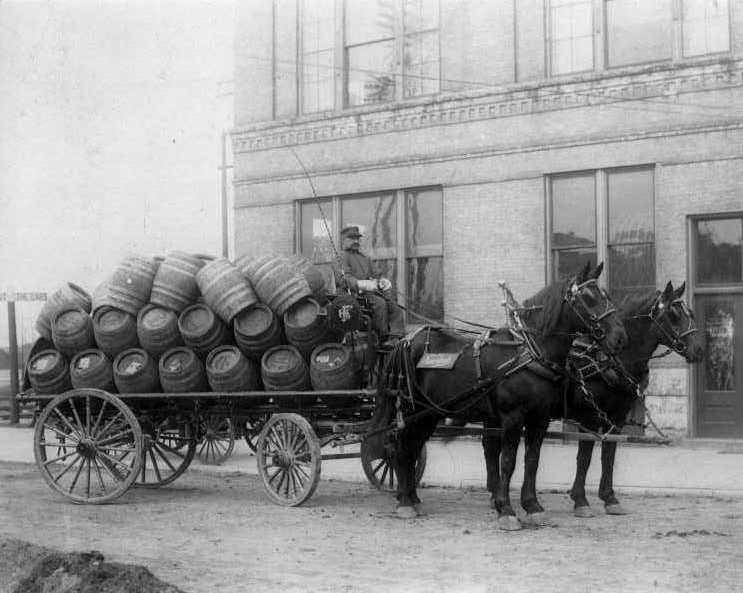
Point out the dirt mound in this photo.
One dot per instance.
(28, 568)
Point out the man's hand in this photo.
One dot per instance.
(384, 284)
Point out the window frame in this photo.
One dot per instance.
(601, 197)
(402, 254)
(548, 43)
(709, 288)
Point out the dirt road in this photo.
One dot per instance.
(219, 533)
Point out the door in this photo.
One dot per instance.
(718, 299)
(720, 374)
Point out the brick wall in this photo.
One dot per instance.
(264, 229)
(485, 242)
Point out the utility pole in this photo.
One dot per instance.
(14, 413)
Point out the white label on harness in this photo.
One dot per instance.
(438, 360)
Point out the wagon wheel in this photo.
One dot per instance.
(80, 442)
(168, 451)
(288, 454)
(379, 470)
(218, 440)
(252, 429)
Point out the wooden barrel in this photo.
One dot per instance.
(130, 285)
(227, 369)
(332, 366)
(48, 372)
(92, 368)
(181, 371)
(72, 331)
(225, 289)
(306, 327)
(283, 369)
(202, 330)
(68, 295)
(114, 330)
(174, 285)
(157, 330)
(256, 330)
(135, 371)
(313, 275)
(276, 281)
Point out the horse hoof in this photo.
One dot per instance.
(537, 519)
(615, 509)
(492, 504)
(584, 512)
(509, 523)
(418, 508)
(406, 512)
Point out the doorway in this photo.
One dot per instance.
(718, 297)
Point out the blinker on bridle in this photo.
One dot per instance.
(574, 297)
(675, 339)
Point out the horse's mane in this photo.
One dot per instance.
(549, 302)
(635, 303)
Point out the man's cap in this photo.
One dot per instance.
(351, 231)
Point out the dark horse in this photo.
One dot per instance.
(489, 379)
(651, 320)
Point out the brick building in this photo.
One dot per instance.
(476, 141)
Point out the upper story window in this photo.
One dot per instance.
(413, 261)
(388, 41)
(706, 26)
(638, 31)
(719, 251)
(570, 36)
(605, 215)
(371, 27)
(318, 55)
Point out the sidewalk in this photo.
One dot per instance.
(694, 467)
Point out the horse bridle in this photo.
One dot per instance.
(589, 317)
(673, 339)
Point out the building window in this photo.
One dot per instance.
(570, 36)
(388, 41)
(318, 43)
(706, 27)
(421, 47)
(413, 261)
(638, 31)
(719, 251)
(622, 235)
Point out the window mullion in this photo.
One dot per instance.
(401, 247)
(339, 57)
(602, 225)
(400, 49)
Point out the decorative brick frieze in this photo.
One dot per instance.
(662, 84)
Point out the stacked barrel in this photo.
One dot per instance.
(193, 323)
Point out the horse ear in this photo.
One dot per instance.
(680, 290)
(668, 292)
(597, 272)
(583, 274)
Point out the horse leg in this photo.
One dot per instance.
(409, 447)
(533, 438)
(491, 445)
(507, 519)
(606, 485)
(578, 491)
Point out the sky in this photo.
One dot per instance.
(111, 115)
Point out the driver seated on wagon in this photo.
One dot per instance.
(361, 277)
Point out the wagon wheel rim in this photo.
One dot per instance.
(218, 440)
(380, 473)
(252, 429)
(168, 451)
(288, 457)
(81, 439)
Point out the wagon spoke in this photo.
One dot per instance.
(77, 475)
(273, 476)
(155, 466)
(170, 450)
(100, 477)
(63, 435)
(67, 422)
(114, 438)
(87, 479)
(75, 414)
(98, 419)
(108, 425)
(114, 461)
(68, 467)
(157, 449)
